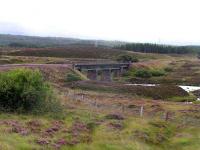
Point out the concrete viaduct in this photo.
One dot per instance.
(103, 72)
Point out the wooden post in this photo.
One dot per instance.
(141, 111)
(167, 116)
(74, 96)
(123, 108)
(96, 106)
(82, 97)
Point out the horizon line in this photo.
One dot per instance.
(101, 39)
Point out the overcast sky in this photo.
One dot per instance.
(158, 21)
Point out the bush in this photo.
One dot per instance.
(189, 98)
(127, 58)
(146, 73)
(142, 73)
(24, 90)
(73, 77)
(157, 73)
(168, 69)
(158, 132)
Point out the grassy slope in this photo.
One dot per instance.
(185, 126)
(80, 52)
(184, 70)
(158, 92)
(71, 52)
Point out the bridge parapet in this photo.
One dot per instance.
(101, 66)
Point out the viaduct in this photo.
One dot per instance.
(103, 72)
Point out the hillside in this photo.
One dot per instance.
(36, 41)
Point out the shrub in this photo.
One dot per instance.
(157, 72)
(189, 98)
(24, 90)
(73, 77)
(168, 69)
(158, 132)
(127, 58)
(143, 73)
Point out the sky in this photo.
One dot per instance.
(154, 21)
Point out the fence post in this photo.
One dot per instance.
(141, 111)
(82, 97)
(166, 116)
(123, 108)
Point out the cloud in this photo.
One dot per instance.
(12, 28)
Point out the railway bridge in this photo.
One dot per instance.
(103, 72)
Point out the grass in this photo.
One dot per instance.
(82, 52)
(189, 98)
(71, 52)
(104, 136)
(174, 70)
(180, 132)
(157, 92)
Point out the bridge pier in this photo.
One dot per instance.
(106, 75)
(116, 73)
(92, 74)
(122, 70)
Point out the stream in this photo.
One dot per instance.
(185, 88)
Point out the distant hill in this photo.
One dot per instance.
(42, 42)
(36, 41)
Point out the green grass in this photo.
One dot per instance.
(145, 73)
(189, 98)
(105, 138)
(157, 92)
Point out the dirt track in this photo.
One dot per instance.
(11, 66)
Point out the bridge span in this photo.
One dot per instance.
(103, 72)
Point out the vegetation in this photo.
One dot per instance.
(71, 77)
(86, 126)
(17, 45)
(145, 73)
(158, 132)
(127, 58)
(168, 69)
(96, 115)
(71, 52)
(163, 92)
(36, 41)
(190, 98)
(24, 90)
(155, 48)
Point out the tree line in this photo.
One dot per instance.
(155, 48)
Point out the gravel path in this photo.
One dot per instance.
(10, 66)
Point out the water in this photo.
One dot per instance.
(185, 88)
(143, 84)
(190, 88)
